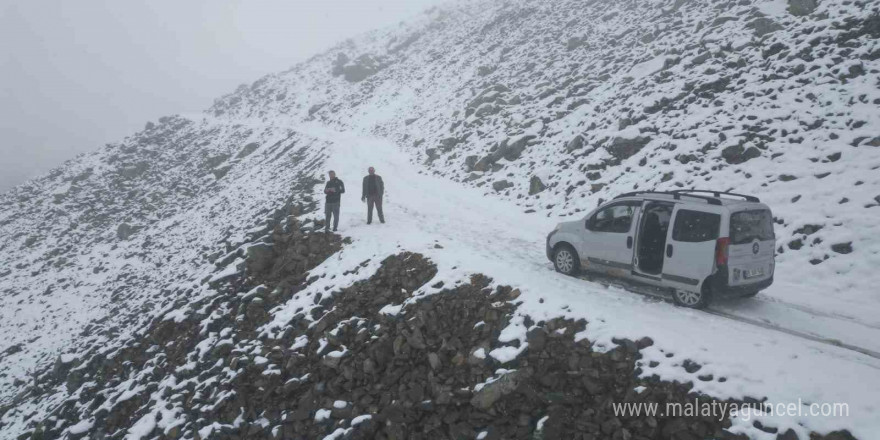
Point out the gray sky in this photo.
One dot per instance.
(75, 75)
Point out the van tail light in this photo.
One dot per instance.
(721, 247)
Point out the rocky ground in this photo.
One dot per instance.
(125, 304)
(350, 369)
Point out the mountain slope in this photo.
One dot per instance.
(547, 108)
(558, 105)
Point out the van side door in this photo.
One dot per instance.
(689, 256)
(608, 238)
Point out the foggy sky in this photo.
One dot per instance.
(75, 75)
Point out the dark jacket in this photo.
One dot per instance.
(334, 189)
(373, 186)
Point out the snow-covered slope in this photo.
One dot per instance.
(98, 247)
(525, 113)
(590, 99)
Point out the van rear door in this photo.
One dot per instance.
(690, 248)
(751, 252)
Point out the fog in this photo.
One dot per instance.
(77, 75)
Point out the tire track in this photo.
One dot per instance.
(657, 293)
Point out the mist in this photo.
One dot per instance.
(77, 75)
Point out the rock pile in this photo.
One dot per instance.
(112, 391)
(373, 360)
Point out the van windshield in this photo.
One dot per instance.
(747, 226)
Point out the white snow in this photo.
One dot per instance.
(322, 414)
(338, 433)
(300, 342)
(391, 309)
(338, 353)
(360, 419)
(82, 427)
(647, 68)
(774, 7)
(107, 283)
(754, 361)
(508, 353)
(541, 421)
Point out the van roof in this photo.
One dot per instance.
(718, 198)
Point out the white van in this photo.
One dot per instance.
(697, 243)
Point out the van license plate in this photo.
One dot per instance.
(751, 273)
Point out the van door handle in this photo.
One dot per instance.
(629, 242)
(668, 250)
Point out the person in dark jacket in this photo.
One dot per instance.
(372, 193)
(334, 190)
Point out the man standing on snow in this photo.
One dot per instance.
(334, 190)
(372, 193)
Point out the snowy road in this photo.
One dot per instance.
(766, 312)
(465, 231)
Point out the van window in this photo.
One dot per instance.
(746, 226)
(615, 218)
(695, 226)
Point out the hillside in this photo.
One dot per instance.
(157, 287)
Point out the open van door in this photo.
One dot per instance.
(607, 241)
(690, 250)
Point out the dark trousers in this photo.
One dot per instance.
(377, 202)
(331, 210)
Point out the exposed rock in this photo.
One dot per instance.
(339, 64)
(221, 172)
(492, 392)
(132, 171)
(513, 150)
(247, 150)
(763, 26)
(507, 150)
(736, 154)
(800, 8)
(215, 161)
(537, 338)
(316, 108)
(362, 68)
(575, 144)
(486, 70)
(125, 231)
(701, 58)
(486, 110)
(432, 155)
(491, 99)
(842, 248)
(447, 144)
(470, 162)
(12, 350)
(501, 185)
(622, 148)
(260, 257)
(484, 164)
(536, 185)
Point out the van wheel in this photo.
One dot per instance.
(693, 300)
(565, 260)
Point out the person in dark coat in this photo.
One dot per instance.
(334, 190)
(372, 193)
